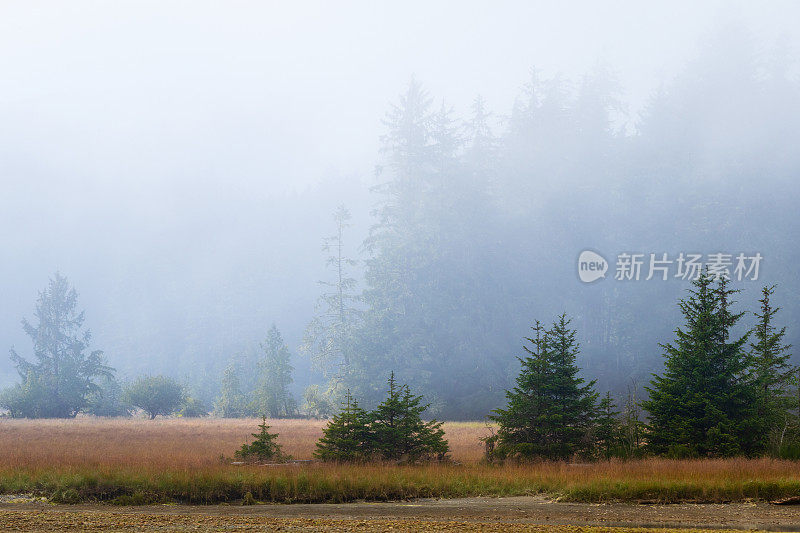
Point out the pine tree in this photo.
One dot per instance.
(399, 246)
(607, 428)
(772, 370)
(524, 425)
(738, 392)
(272, 395)
(577, 397)
(264, 448)
(347, 436)
(59, 382)
(434, 217)
(702, 405)
(329, 337)
(398, 431)
(550, 411)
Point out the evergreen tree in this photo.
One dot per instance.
(524, 423)
(264, 448)
(483, 146)
(329, 337)
(231, 401)
(60, 380)
(607, 428)
(398, 431)
(772, 370)
(550, 410)
(272, 396)
(702, 405)
(399, 246)
(347, 436)
(418, 316)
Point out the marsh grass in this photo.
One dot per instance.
(141, 462)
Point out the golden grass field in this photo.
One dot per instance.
(174, 442)
(143, 461)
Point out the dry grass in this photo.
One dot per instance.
(140, 461)
(173, 443)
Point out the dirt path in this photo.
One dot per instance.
(464, 514)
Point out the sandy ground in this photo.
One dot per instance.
(464, 514)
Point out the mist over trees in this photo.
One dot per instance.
(469, 230)
(257, 383)
(60, 379)
(478, 223)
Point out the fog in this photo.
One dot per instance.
(180, 163)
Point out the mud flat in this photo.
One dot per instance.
(462, 514)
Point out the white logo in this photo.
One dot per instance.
(635, 266)
(591, 266)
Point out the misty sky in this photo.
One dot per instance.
(137, 139)
(141, 99)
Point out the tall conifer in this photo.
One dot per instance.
(702, 405)
(550, 411)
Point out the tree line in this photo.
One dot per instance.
(65, 378)
(727, 389)
(479, 215)
(721, 393)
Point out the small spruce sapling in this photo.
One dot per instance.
(399, 433)
(347, 436)
(264, 448)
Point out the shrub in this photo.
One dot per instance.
(264, 448)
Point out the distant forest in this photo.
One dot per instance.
(477, 220)
(478, 228)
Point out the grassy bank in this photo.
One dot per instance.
(135, 461)
(653, 480)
